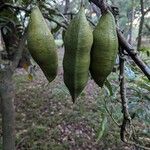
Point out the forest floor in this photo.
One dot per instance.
(46, 118)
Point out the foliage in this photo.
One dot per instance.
(46, 117)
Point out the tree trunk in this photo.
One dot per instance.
(7, 106)
(131, 24)
(140, 32)
(67, 6)
(7, 93)
(140, 26)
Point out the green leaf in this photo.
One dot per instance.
(109, 87)
(102, 127)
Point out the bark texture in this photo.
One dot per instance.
(8, 115)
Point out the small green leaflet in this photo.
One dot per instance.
(102, 127)
(109, 87)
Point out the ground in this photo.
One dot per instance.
(46, 118)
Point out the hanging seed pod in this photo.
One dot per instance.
(41, 45)
(104, 49)
(78, 41)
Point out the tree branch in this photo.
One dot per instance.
(104, 7)
(57, 22)
(19, 51)
(146, 11)
(142, 6)
(126, 115)
(101, 4)
(8, 5)
(133, 54)
(56, 13)
(123, 43)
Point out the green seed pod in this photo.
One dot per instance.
(78, 41)
(104, 49)
(41, 45)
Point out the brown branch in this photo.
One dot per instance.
(133, 54)
(8, 5)
(101, 4)
(123, 43)
(126, 115)
(146, 11)
(91, 21)
(69, 14)
(56, 13)
(104, 7)
(19, 51)
(65, 19)
(21, 141)
(142, 6)
(57, 22)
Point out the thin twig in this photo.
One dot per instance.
(57, 13)
(6, 5)
(69, 14)
(106, 108)
(21, 141)
(65, 19)
(91, 21)
(126, 115)
(146, 11)
(57, 22)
